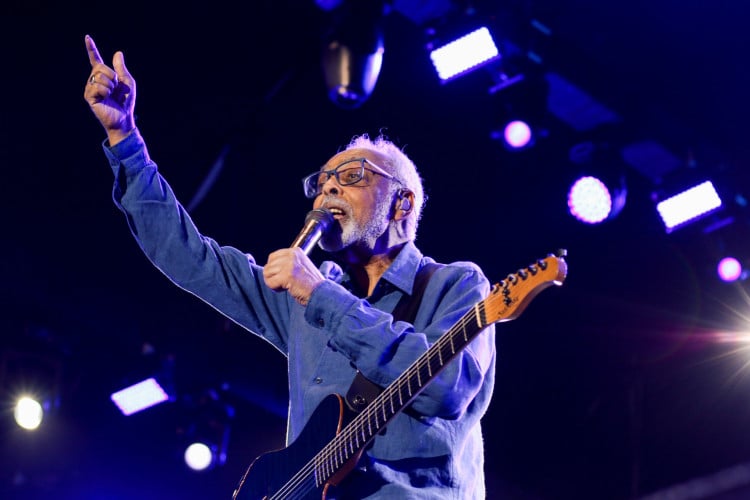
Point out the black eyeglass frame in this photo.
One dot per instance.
(313, 188)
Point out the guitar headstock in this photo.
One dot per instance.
(509, 298)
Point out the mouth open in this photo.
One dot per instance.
(336, 212)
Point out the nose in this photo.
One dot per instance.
(331, 186)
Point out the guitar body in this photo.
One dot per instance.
(272, 471)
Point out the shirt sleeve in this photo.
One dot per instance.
(383, 349)
(222, 276)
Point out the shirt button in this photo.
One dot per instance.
(318, 380)
(320, 322)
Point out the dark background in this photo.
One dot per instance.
(614, 386)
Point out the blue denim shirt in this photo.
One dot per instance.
(433, 450)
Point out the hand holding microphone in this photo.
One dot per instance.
(290, 269)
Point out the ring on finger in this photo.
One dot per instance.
(92, 79)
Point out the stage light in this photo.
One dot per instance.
(465, 54)
(33, 380)
(599, 192)
(591, 201)
(518, 104)
(199, 456)
(353, 52)
(206, 431)
(518, 134)
(140, 396)
(689, 205)
(28, 413)
(729, 269)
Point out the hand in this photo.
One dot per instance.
(110, 94)
(291, 270)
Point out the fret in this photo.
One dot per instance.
(479, 315)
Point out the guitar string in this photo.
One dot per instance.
(326, 457)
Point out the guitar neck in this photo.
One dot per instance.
(389, 403)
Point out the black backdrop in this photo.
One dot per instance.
(608, 387)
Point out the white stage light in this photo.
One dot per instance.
(464, 54)
(139, 396)
(688, 205)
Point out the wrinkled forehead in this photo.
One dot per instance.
(354, 153)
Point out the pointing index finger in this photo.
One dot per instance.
(94, 57)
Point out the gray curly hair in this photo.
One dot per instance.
(398, 164)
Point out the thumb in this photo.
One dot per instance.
(118, 62)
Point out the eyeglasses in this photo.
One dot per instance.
(348, 173)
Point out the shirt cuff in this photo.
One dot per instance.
(131, 153)
(328, 305)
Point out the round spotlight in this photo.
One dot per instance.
(198, 456)
(517, 134)
(589, 200)
(28, 413)
(729, 269)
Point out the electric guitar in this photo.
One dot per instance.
(300, 471)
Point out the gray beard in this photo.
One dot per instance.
(349, 232)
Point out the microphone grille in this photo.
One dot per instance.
(322, 216)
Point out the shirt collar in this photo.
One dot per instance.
(403, 271)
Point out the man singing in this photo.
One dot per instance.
(373, 308)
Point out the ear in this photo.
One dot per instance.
(404, 204)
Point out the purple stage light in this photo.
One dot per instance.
(729, 269)
(517, 134)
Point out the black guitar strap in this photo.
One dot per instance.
(362, 391)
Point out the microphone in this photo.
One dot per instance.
(317, 222)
